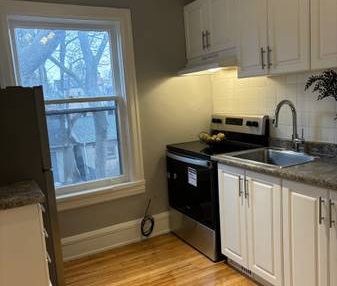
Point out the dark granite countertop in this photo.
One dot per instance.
(20, 194)
(321, 172)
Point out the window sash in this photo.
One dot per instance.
(104, 182)
(111, 27)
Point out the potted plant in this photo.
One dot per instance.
(324, 83)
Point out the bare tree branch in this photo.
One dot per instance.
(101, 49)
(66, 70)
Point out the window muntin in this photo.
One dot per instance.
(79, 70)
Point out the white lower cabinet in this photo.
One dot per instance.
(232, 214)
(305, 219)
(264, 226)
(250, 221)
(282, 231)
(23, 255)
(333, 239)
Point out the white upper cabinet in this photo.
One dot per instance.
(209, 27)
(323, 34)
(252, 37)
(305, 219)
(274, 37)
(288, 36)
(264, 227)
(222, 28)
(195, 15)
(333, 238)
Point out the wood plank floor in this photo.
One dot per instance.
(162, 261)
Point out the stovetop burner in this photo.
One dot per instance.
(204, 151)
(242, 133)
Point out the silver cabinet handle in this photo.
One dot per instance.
(45, 233)
(48, 258)
(208, 39)
(240, 189)
(269, 50)
(320, 215)
(262, 51)
(203, 40)
(246, 189)
(332, 221)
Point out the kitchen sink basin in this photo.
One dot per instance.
(274, 157)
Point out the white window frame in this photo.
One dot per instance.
(16, 12)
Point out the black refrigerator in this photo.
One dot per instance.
(25, 155)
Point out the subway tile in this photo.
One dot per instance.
(260, 95)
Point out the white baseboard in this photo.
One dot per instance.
(93, 242)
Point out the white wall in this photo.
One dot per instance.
(260, 95)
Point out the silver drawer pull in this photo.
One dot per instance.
(48, 258)
(320, 215)
(45, 233)
(332, 221)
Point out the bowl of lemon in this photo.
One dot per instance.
(214, 139)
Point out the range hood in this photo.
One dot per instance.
(209, 64)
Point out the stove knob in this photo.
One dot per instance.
(252, 124)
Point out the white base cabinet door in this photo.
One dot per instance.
(232, 214)
(288, 36)
(250, 222)
(264, 227)
(323, 34)
(305, 219)
(333, 239)
(23, 256)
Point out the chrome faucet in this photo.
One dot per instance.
(296, 140)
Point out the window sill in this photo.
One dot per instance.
(99, 195)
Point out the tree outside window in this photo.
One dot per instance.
(77, 71)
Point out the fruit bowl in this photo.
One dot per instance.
(212, 140)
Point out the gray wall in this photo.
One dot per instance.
(172, 109)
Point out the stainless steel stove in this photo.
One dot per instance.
(193, 182)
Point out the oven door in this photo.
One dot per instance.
(191, 187)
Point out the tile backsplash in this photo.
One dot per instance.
(260, 95)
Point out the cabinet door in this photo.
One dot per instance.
(264, 227)
(252, 38)
(22, 247)
(195, 15)
(333, 240)
(232, 215)
(305, 234)
(289, 35)
(323, 34)
(221, 25)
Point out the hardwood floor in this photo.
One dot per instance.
(162, 261)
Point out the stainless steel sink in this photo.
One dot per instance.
(274, 157)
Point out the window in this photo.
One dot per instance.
(84, 65)
(75, 68)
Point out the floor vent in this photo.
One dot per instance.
(242, 269)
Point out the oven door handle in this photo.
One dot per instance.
(197, 162)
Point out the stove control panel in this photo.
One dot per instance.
(249, 124)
